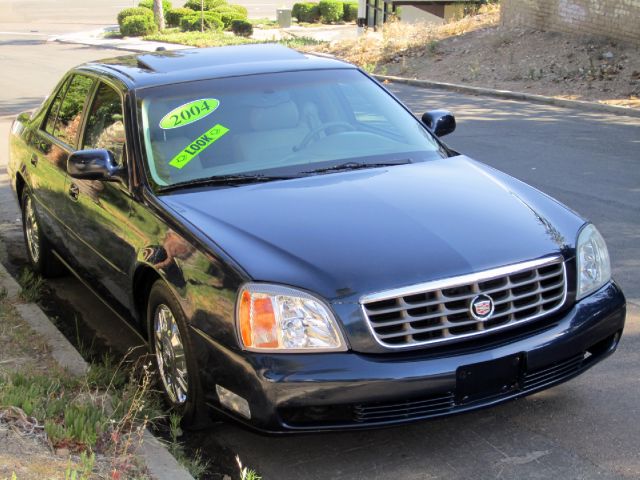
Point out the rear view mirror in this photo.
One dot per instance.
(94, 165)
(440, 122)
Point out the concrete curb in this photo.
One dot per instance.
(160, 463)
(94, 38)
(507, 94)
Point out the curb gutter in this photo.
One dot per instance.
(508, 94)
(160, 463)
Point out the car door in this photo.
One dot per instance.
(50, 144)
(101, 209)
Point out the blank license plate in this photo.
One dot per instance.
(488, 379)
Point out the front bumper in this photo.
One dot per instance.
(337, 391)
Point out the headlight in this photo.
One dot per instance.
(275, 318)
(594, 269)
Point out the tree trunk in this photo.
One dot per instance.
(158, 14)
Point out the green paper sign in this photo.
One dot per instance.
(198, 146)
(189, 113)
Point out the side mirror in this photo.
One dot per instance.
(94, 165)
(440, 122)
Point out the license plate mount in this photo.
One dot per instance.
(489, 379)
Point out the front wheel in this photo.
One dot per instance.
(39, 251)
(170, 346)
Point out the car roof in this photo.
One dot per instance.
(176, 66)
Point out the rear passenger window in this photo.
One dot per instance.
(70, 113)
(50, 122)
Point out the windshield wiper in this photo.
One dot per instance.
(226, 180)
(357, 166)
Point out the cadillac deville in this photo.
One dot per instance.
(300, 252)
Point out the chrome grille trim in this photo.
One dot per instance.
(438, 312)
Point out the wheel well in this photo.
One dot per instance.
(143, 280)
(19, 188)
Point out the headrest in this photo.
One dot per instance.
(276, 117)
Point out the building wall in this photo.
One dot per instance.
(618, 19)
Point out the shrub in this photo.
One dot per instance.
(306, 12)
(129, 12)
(242, 28)
(208, 4)
(191, 23)
(174, 16)
(228, 15)
(138, 25)
(350, 11)
(240, 9)
(331, 10)
(166, 5)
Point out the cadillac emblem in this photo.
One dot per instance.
(481, 307)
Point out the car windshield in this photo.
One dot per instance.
(276, 125)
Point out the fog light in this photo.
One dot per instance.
(233, 402)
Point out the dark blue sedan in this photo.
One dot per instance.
(300, 252)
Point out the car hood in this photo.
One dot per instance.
(346, 234)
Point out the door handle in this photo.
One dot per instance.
(34, 159)
(74, 191)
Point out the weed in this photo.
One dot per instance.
(535, 74)
(246, 473)
(474, 71)
(32, 285)
(3, 294)
(432, 47)
(196, 465)
(369, 67)
(106, 375)
(87, 463)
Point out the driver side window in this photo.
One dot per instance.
(105, 123)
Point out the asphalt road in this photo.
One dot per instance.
(585, 429)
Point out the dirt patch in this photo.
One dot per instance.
(27, 456)
(478, 51)
(545, 63)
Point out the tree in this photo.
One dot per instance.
(202, 15)
(158, 13)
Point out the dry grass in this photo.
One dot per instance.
(396, 38)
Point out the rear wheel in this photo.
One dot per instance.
(170, 346)
(39, 251)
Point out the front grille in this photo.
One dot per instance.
(553, 373)
(440, 311)
(385, 412)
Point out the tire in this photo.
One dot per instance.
(180, 385)
(39, 250)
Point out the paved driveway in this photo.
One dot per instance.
(586, 429)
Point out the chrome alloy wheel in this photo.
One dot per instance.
(170, 355)
(31, 230)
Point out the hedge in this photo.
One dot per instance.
(138, 25)
(191, 23)
(166, 5)
(174, 16)
(129, 12)
(242, 28)
(241, 10)
(208, 4)
(228, 15)
(306, 12)
(331, 10)
(350, 11)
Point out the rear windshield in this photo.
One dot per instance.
(281, 123)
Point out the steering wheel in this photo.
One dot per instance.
(316, 131)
